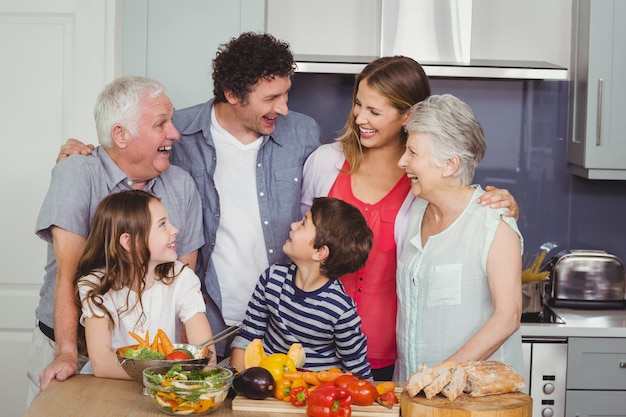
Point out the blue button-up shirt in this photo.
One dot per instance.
(279, 179)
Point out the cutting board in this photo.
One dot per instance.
(515, 404)
(273, 406)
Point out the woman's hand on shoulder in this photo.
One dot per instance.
(74, 146)
(499, 198)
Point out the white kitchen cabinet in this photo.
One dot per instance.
(597, 143)
(596, 377)
(175, 42)
(327, 27)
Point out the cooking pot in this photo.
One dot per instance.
(534, 295)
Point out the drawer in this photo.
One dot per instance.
(595, 403)
(596, 363)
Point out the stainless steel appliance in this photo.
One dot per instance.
(587, 279)
(545, 360)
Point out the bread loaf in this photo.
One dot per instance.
(491, 377)
(476, 378)
(419, 380)
(458, 381)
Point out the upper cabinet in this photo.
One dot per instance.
(175, 41)
(450, 38)
(597, 141)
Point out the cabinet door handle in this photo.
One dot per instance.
(622, 365)
(599, 113)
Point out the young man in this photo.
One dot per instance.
(303, 301)
(246, 152)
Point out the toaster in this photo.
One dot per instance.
(587, 279)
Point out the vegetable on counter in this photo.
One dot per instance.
(387, 399)
(363, 392)
(328, 400)
(299, 395)
(282, 389)
(278, 364)
(256, 383)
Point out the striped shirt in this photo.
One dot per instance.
(324, 321)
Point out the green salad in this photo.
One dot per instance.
(194, 391)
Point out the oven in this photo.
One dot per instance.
(545, 362)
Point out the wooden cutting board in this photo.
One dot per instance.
(515, 404)
(273, 406)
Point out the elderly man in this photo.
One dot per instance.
(135, 130)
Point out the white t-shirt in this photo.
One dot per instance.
(239, 256)
(166, 307)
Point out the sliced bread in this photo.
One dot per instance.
(443, 376)
(458, 381)
(418, 380)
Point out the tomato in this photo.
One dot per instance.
(363, 392)
(342, 381)
(277, 364)
(388, 397)
(178, 355)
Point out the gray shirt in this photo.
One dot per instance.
(79, 183)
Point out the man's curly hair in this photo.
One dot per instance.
(242, 62)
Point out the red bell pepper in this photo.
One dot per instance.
(298, 396)
(329, 401)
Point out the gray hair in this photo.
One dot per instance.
(453, 129)
(118, 103)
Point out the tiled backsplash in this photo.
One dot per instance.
(525, 124)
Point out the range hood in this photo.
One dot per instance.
(531, 70)
(437, 34)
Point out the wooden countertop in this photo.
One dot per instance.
(88, 396)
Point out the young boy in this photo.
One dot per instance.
(304, 302)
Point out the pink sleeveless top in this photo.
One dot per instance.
(373, 287)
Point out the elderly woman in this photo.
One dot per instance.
(459, 268)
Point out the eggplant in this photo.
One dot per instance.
(256, 383)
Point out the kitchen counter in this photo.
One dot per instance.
(580, 323)
(88, 396)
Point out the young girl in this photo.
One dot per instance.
(128, 279)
